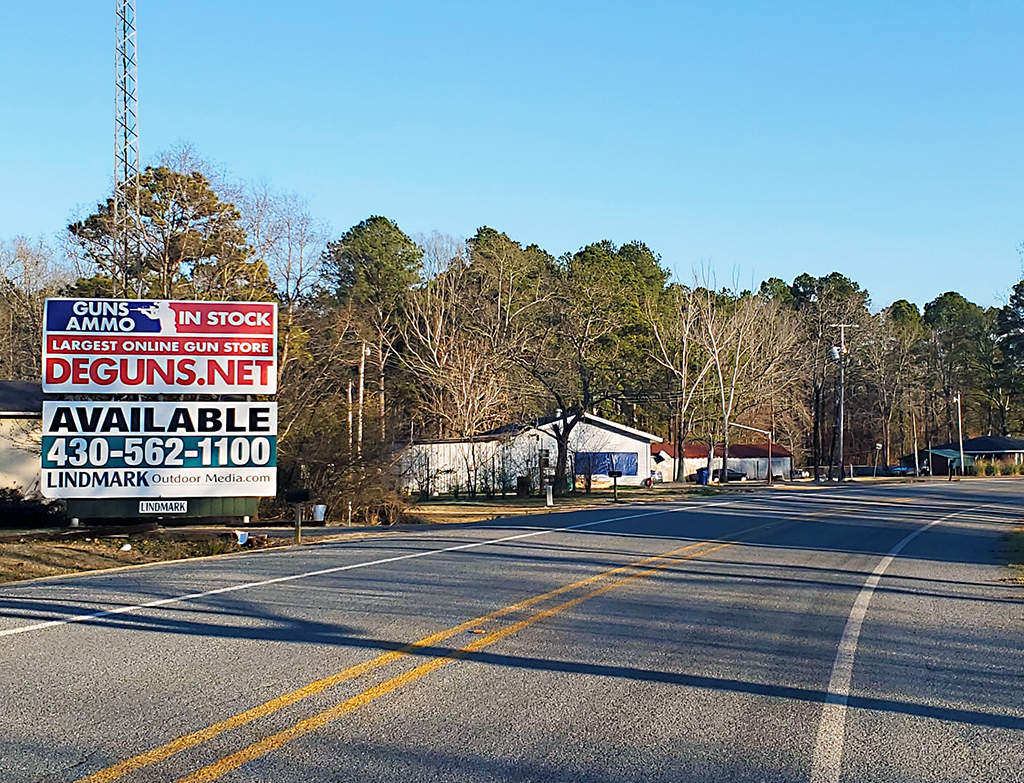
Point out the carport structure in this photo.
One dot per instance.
(989, 447)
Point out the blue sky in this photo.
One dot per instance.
(882, 140)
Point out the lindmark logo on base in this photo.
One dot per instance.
(163, 506)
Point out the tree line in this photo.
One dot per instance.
(387, 338)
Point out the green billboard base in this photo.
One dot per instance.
(161, 509)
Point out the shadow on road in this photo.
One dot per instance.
(277, 628)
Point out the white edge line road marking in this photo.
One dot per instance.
(84, 618)
(828, 750)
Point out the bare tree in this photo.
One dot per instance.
(821, 302)
(457, 357)
(673, 320)
(29, 272)
(889, 350)
(291, 242)
(749, 343)
(184, 157)
(775, 371)
(726, 325)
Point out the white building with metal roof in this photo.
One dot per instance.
(21, 410)
(522, 458)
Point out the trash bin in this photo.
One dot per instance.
(319, 513)
(702, 475)
(522, 486)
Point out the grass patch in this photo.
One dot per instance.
(32, 559)
(1015, 550)
(705, 491)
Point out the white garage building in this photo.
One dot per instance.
(21, 411)
(750, 459)
(522, 458)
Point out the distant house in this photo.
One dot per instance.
(989, 447)
(523, 458)
(21, 411)
(750, 459)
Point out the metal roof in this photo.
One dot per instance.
(986, 444)
(953, 456)
(21, 399)
(736, 450)
(546, 422)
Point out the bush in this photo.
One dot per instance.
(1005, 467)
(217, 546)
(369, 490)
(369, 506)
(18, 512)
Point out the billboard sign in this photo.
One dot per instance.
(159, 449)
(117, 346)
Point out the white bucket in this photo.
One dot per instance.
(319, 513)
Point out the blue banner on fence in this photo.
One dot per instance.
(598, 463)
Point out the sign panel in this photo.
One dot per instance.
(163, 506)
(159, 449)
(116, 346)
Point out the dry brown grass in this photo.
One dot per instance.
(31, 559)
(1015, 552)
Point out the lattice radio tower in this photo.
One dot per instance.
(126, 149)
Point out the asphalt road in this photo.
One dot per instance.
(848, 633)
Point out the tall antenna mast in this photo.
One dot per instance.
(126, 145)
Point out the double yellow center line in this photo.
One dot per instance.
(635, 570)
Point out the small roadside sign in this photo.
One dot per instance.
(163, 506)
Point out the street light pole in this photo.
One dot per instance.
(842, 400)
(842, 351)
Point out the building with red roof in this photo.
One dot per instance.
(750, 459)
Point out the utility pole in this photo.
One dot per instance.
(842, 403)
(917, 462)
(126, 149)
(840, 354)
(960, 431)
(927, 430)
